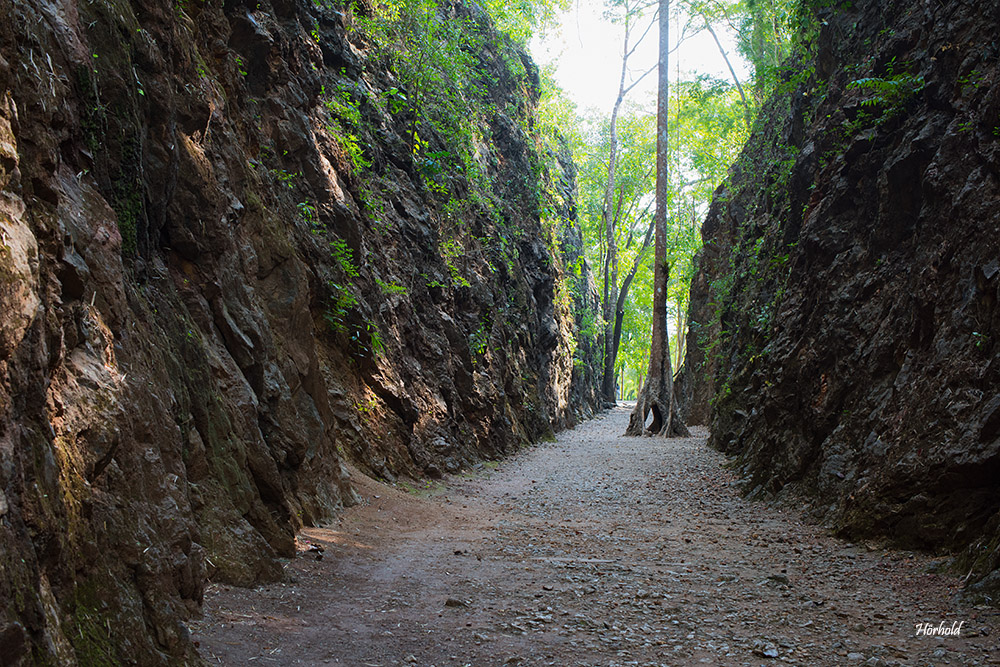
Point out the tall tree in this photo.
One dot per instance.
(763, 30)
(707, 131)
(640, 256)
(633, 12)
(657, 394)
(729, 64)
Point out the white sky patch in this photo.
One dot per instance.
(587, 49)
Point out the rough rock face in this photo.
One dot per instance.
(207, 308)
(846, 307)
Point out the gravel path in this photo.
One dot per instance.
(591, 550)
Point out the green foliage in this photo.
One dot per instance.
(286, 178)
(344, 257)
(442, 103)
(721, 394)
(308, 213)
(342, 106)
(774, 36)
(342, 297)
(721, 291)
(395, 100)
(342, 301)
(391, 287)
(973, 80)
(890, 93)
(765, 31)
(451, 250)
(707, 131)
(433, 59)
(364, 339)
(344, 125)
(524, 18)
(352, 149)
(431, 283)
(128, 204)
(479, 341)
(375, 344)
(590, 324)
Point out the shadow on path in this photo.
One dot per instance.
(595, 549)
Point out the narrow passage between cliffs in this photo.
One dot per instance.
(594, 549)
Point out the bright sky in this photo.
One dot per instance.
(587, 50)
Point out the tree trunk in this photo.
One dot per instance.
(609, 215)
(623, 294)
(681, 336)
(608, 222)
(657, 395)
(732, 72)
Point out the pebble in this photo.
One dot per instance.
(624, 551)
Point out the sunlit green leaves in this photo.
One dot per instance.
(521, 19)
(707, 131)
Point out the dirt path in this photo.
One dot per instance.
(592, 550)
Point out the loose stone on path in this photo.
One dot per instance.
(592, 550)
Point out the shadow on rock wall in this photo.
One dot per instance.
(845, 323)
(225, 271)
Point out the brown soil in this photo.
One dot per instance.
(591, 550)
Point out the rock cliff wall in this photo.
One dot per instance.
(847, 334)
(225, 270)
